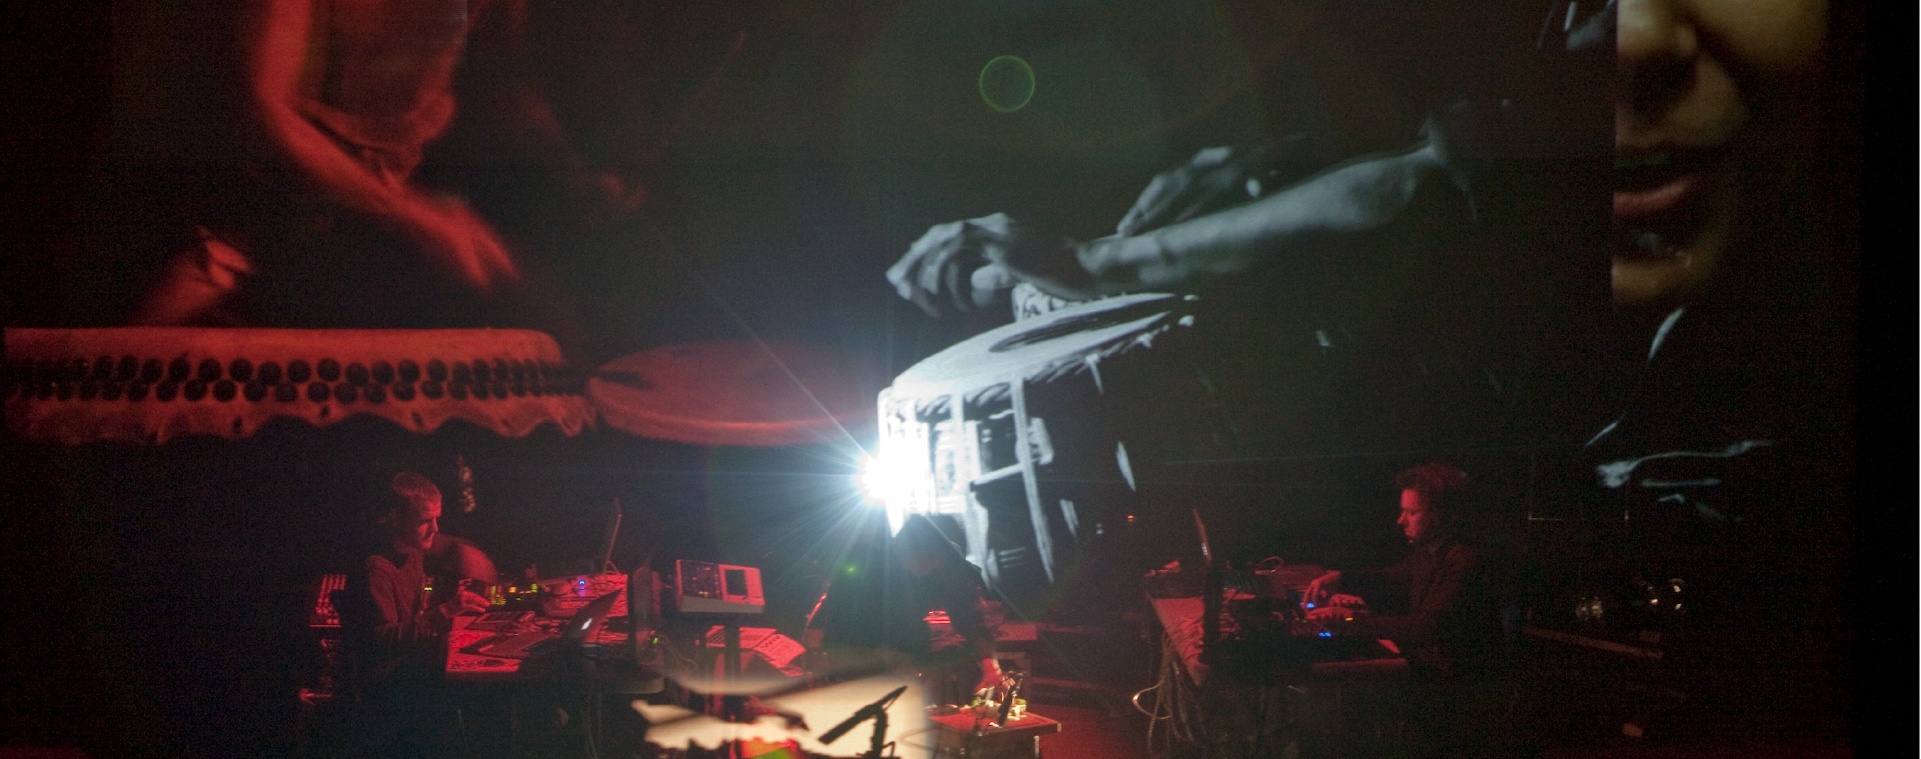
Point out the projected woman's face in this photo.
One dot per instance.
(1708, 86)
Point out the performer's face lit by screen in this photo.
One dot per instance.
(1708, 88)
(416, 527)
(1415, 520)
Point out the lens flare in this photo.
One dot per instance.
(1007, 83)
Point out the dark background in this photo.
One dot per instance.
(162, 590)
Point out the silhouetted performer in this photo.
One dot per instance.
(884, 602)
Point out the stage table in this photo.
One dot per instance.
(464, 667)
(1018, 739)
(563, 597)
(1180, 620)
(1269, 682)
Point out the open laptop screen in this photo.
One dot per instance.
(589, 619)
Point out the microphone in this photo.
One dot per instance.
(867, 712)
(1013, 691)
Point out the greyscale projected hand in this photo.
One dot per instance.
(1389, 204)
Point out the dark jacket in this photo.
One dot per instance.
(1450, 618)
(387, 623)
(882, 605)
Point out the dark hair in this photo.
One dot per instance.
(1446, 487)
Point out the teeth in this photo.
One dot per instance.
(1643, 161)
(1645, 242)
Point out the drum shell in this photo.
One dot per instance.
(1129, 436)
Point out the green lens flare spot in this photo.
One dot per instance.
(1007, 83)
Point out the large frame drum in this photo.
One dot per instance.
(1022, 433)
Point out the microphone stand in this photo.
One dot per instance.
(876, 711)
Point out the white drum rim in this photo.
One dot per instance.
(972, 363)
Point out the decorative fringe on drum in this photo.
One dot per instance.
(153, 384)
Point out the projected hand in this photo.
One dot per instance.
(456, 239)
(971, 263)
(466, 559)
(1213, 179)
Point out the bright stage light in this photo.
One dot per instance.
(885, 484)
(875, 482)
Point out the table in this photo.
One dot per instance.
(1180, 618)
(1018, 739)
(1638, 652)
(565, 595)
(572, 679)
(1273, 688)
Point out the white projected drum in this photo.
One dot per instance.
(1007, 430)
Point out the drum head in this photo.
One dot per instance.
(1038, 348)
(738, 392)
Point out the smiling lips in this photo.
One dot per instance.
(1654, 192)
(1640, 204)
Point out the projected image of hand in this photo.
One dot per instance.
(970, 264)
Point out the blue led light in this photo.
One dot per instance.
(1326, 634)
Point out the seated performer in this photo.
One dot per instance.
(887, 609)
(1449, 631)
(397, 633)
(1449, 617)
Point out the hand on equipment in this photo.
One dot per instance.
(1320, 588)
(465, 602)
(1335, 613)
(992, 679)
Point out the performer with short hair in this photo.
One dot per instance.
(396, 630)
(1448, 617)
(1449, 630)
